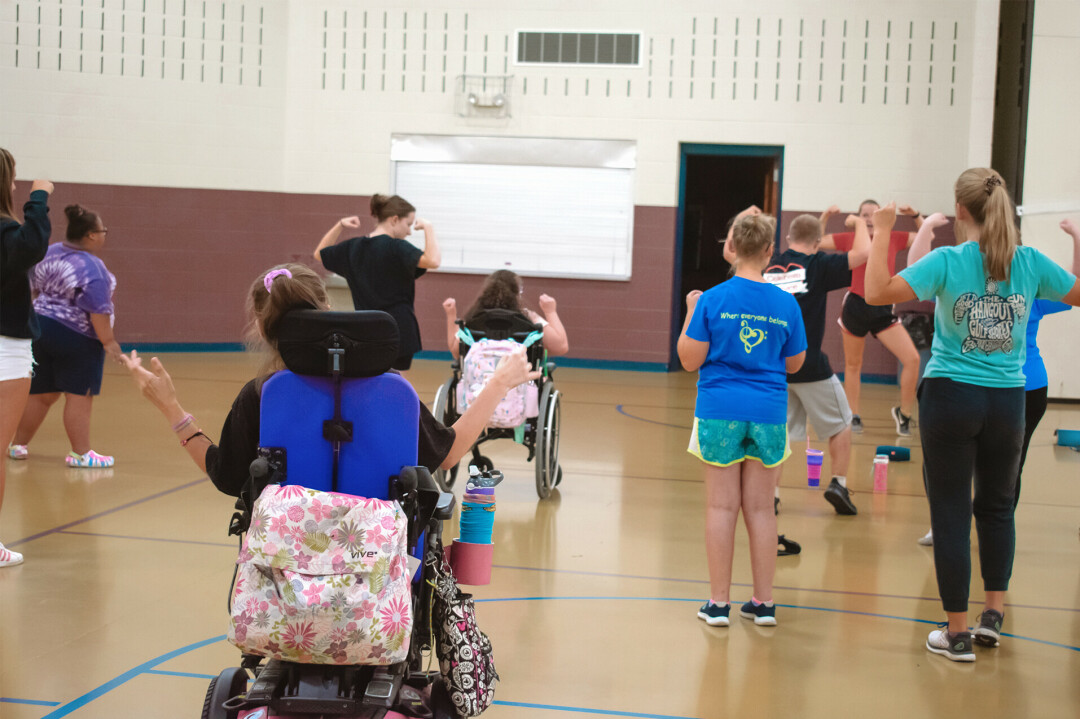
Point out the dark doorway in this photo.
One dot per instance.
(1011, 93)
(716, 183)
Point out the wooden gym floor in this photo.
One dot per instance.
(119, 610)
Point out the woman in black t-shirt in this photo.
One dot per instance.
(381, 269)
(274, 293)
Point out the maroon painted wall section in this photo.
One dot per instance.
(185, 258)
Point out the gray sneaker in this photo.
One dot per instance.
(988, 633)
(957, 647)
(840, 498)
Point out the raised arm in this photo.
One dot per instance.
(827, 241)
(449, 306)
(1073, 231)
(881, 289)
(555, 340)
(692, 353)
(912, 212)
(860, 246)
(334, 234)
(432, 257)
(924, 238)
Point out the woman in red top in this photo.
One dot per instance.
(858, 319)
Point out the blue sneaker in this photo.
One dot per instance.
(763, 615)
(715, 615)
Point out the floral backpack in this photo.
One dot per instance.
(479, 364)
(323, 579)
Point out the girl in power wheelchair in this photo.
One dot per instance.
(330, 456)
(495, 324)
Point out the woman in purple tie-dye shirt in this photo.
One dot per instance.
(74, 304)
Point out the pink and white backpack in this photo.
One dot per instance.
(479, 364)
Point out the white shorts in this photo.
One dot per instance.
(16, 358)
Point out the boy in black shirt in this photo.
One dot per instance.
(814, 392)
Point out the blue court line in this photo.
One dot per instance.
(189, 675)
(844, 592)
(234, 545)
(605, 712)
(32, 702)
(107, 512)
(127, 676)
(620, 410)
(149, 666)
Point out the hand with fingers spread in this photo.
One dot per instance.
(155, 383)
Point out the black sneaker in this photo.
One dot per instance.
(764, 616)
(988, 633)
(714, 614)
(786, 547)
(957, 647)
(903, 422)
(856, 424)
(840, 498)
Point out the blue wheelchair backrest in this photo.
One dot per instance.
(383, 408)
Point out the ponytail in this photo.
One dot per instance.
(981, 191)
(383, 207)
(81, 222)
(273, 294)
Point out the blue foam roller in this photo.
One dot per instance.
(1068, 437)
(896, 454)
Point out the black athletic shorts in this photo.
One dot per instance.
(66, 360)
(859, 319)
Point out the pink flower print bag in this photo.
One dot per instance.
(323, 579)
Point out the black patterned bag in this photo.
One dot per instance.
(465, 656)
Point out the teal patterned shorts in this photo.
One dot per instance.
(724, 442)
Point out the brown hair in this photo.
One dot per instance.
(868, 202)
(752, 235)
(805, 230)
(81, 222)
(303, 290)
(383, 207)
(501, 290)
(981, 191)
(7, 178)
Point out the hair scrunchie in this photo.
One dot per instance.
(268, 281)
(991, 182)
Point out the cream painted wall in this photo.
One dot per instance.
(302, 96)
(1052, 172)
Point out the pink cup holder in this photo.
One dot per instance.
(471, 562)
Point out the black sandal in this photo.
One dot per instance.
(786, 547)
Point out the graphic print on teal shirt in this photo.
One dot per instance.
(751, 327)
(990, 318)
(980, 324)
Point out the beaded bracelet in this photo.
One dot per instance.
(188, 419)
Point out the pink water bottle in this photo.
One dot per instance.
(814, 459)
(881, 473)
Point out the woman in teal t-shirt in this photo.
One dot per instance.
(971, 403)
(744, 335)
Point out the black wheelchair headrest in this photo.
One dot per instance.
(369, 340)
(501, 324)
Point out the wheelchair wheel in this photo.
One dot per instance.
(441, 410)
(548, 472)
(223, 687)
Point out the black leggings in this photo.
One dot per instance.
(971, 431)
(1034, 409)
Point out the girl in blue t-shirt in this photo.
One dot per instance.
(745, 336)
(971, 407)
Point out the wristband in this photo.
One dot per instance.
(188, 419)
(199, 433)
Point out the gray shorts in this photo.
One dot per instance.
(824, 402)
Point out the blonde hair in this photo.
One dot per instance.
(7, 178)
(805, 230)
(300, 289)
(751, 235)
(981, 191)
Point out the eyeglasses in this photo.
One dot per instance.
(103, 230)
